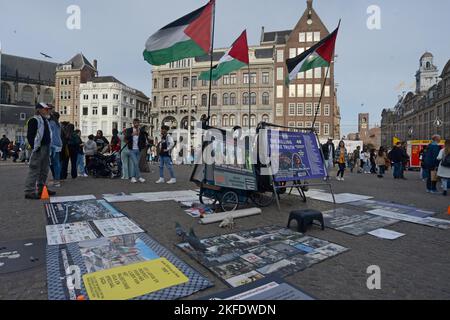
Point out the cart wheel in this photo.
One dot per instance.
(230, 201)
(262, 199)
(204, 199)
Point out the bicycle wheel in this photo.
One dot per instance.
(262, 199)
(229, 201)
(207, 199)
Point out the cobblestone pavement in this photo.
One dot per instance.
(413, 267)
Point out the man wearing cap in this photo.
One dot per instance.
(39, 137)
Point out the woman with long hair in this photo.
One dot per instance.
(444, 166)
(341, 158)
(380, 161)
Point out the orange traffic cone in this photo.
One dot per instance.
(44, 195)
(448, 210)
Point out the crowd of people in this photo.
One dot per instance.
(54, 144)
(435, 162)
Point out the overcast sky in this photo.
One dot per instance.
(373, 68)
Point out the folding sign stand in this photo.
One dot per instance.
(300, 184)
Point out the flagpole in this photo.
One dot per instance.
(212, 60)
(249, 99)
(324, 84)
(190, 108)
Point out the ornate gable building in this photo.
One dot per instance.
(419, 115)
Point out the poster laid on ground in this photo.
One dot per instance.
(90, 230)
(87, 210)
(355, 222)
(392, 207)
(299, 155)
(269, 288)
(429, 221)
(68, 264)
(72, 198)
(134, 280)
(244, 257)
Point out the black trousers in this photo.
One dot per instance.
(73, 155)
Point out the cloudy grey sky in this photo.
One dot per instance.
(370, 68)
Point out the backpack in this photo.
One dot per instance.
(446, 161)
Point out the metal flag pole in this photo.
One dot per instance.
(191, 61)
(212, 60)
(249, 99)
(324, 83)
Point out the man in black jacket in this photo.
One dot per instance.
(328, 150)
(4, 143)
(39, 138)
(397, 157)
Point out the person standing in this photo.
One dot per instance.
(356, 159)
(80, 158)
(136, 141)
(341, 158)
(74, 149)
(405, 161)
(66, 134)
(125, 156)
(431, 163)
(444, 166)
(165, 146)
(380, 162)
(143, 162)
(40, 138)
(373, 164)
(115, 147)
(328, 150)
(396, 157)
(55, 149)
(4, 143)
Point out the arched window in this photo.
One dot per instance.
(265, 98)
(214, 100)
(214, 120)
(253, 120)
(174, 101)
(265, 118)
(48, 95)
(28, 94)
(245, 120)
(194, 100)
(225, 122)
(185, 101)
(245, 99)
(233, 101)
(5, 93)
(232, 120)
(226, 99)
(204, 100)
(166, 101)
(253, 98)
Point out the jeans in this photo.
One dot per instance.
(341, 170)
(134, 157)
(328, 165)
(397, 170)
(80, 164)
(38, 170)
(56, 165)
(166, 161)
(445, 183)
(381, 170)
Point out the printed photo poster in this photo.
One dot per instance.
(117, 227)
(69, 233)
(107, 253)
(299, 156)
(77, 211)
(131, 281)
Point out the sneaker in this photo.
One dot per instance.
(342, 179)
(133, 180)
(172, 181)
(161, 180)
(338, 178)
(444, 193)
(434, 192)
(141, 180)
(56, 184)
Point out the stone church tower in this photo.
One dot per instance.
(427, 75)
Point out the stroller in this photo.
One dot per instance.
(103, 166)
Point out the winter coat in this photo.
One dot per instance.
(443, 172)
(381, 160)
(430, 161)
(337, 155)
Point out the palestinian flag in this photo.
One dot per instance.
(319, 55)
(234, 59)
(187, 37)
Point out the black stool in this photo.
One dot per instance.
(305, 218)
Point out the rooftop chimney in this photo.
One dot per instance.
(309, 4)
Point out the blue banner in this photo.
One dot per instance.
(299, 156)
